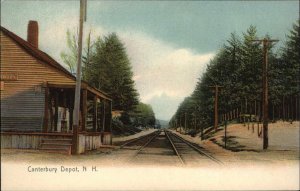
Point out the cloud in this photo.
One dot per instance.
(164, 106)
(53, 37)
(164, 74)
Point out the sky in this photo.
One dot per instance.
(169, 43)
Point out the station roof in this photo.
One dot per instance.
(44, 57)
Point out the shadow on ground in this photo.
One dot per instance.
(231, 144)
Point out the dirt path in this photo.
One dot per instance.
(276, 168)
(244, 146)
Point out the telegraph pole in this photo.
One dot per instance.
(217, 87)
(265, 103)
(180, 123)
(185, 122)
(82, 17)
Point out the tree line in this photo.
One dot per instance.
(106, 66)
(237, 67)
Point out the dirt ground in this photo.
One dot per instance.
(244, 146)
(245, 165)
(126, 138)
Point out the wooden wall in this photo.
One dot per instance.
(89, 142)
(25, 141)
(20, 141)
(33, 140)
(22, 100)
(107, 139)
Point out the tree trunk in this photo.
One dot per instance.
(273, 112)
(296, 111)
(288, 109)
(278, 112)
(255, 108)
(283, 109)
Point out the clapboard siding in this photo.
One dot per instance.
(25, 141)
(22, 106)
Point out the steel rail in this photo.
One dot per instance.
(137, 139)
(142, 147)
(197, 149)
(174, 148)
(147, 143)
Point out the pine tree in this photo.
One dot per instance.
(105, 66)
(112, 73)
(144, 115)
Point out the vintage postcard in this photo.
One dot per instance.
(149, 95)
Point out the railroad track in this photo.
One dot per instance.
(187, 151)
(165, 147)
(138, 144)
(139, 141)
(156, 151)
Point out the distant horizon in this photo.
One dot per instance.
(169, 44)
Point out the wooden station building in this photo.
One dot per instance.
(37, 99)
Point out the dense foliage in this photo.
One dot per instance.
(144, 115)
(237, 67)
(106, 66)
(110, 71)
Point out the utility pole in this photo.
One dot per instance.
(265, 42)
(225, 132)
(83, 4)
(217, 87)
(185, 122)
(195, 121)
(180, 123)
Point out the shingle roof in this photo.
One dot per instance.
(40, 55)
(36, 52)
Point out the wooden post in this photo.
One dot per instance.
(95, 114)
(202, 136)
(283, 109)
(71, 102)
(179, 123)
(258, 134)
(265, 42)
(110, 123)
(56, 111)
(288, 108)
(225, 136)
(296, 108)
(216, 117)
(46, 109)
(255, 108)
(78, 80)
(64, 124)
(84, 109)
(185, 122)
(216, 108)
(233, 114)
(245, 112)
(265, 96)
(103, 116)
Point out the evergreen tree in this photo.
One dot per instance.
(237, 67)
(144, 115)
(105, 66)
(111, 72)
(290, 60)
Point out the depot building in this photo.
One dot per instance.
(37, 100)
